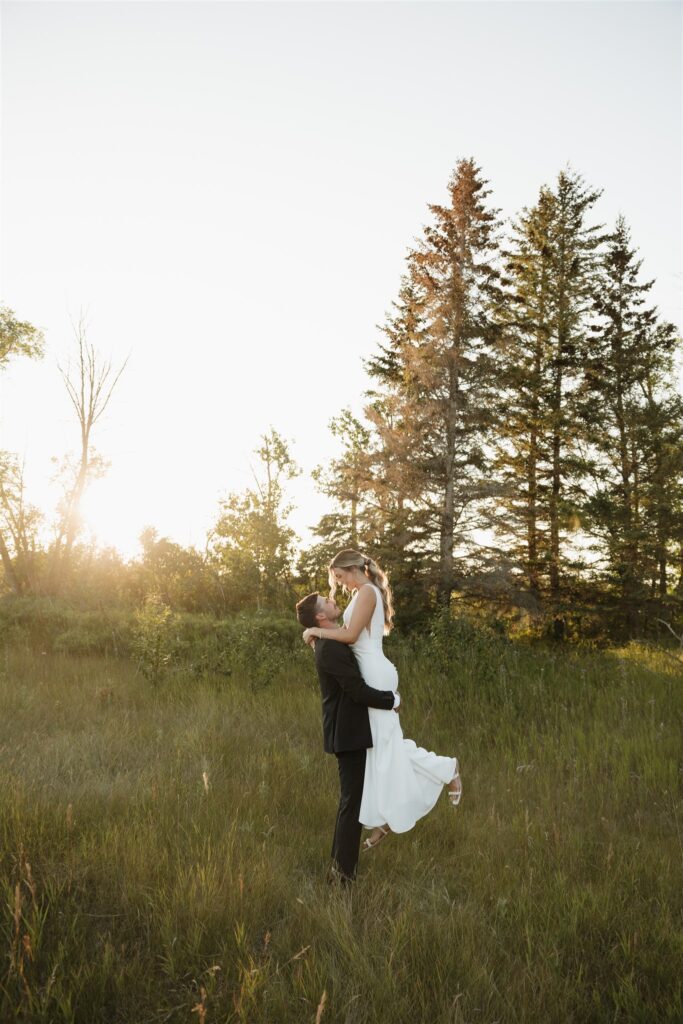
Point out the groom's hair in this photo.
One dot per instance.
(306, 609)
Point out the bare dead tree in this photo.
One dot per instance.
(89, 389)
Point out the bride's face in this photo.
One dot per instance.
(345, 578)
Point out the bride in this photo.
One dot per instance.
(402, 781)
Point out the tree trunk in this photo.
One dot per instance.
(445, 587)
(662, 572)
(532, 538)
(532, 481)
(75, 501)
(446, 561)
(554, 503)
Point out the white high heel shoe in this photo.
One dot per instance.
(454, 795)
(369, 845)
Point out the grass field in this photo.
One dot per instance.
(163, 849)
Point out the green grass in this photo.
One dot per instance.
(132, 892)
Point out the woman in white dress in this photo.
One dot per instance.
(402, 781)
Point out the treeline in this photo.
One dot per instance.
(523, 445)
(520, 453)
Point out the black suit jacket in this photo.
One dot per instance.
(346, 698)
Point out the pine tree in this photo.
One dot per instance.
(523, 420)
(661, 485)
(630, 425)
(430, 409)
(551, 263)
(574, 259)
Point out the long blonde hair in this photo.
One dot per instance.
(348, 559)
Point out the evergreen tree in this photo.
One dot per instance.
(522, 441)
(551, 263)
(659, 448)
(631, 425)
(430, 409)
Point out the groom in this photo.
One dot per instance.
(346, 725)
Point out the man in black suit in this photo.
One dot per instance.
(346, 725)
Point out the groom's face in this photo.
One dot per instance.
(329, 609)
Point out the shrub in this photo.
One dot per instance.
(256, 646)
(153, 640)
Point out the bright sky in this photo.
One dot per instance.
(228, 190)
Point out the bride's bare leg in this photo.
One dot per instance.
(376, 836)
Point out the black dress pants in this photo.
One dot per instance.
(346, 842)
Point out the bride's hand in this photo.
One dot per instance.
(310, 636)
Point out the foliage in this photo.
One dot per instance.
(450, 641)
(632, 463)
(253, 647)
(252, 541)
(523, 445)
(520, 456)
(183, 577)
(47, 625)
(19, 524)
(431, 410)
(18, 338)
(18, 520)
(162, 641)
(153, 640)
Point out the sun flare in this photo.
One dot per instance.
(111, 517)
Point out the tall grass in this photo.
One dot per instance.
(164, 848)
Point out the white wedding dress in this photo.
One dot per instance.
(402, 781)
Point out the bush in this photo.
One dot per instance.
(51, 625)
(255, 646)
(450, 639)
(153, 639)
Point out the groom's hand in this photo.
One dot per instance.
(397, 698)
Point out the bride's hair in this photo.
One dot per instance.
(350, 559)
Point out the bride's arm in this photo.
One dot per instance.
(360, 618)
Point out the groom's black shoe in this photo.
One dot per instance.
(336, 877)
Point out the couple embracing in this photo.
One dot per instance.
(386, 781)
